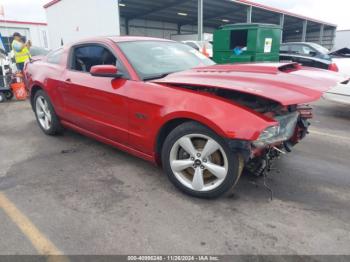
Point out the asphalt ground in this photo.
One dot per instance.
(72, 195)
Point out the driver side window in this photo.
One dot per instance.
(87, 56)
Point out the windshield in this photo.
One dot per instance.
(155, 59)
(320, 49)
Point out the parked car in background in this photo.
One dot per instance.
(164, 102)
(205, 47)
(314, 55)
(308, 54)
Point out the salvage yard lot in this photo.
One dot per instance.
(89, 198)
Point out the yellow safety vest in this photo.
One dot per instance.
(21, 56)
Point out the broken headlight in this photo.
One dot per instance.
(269, 133)
(281, 132)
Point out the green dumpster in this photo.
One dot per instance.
(239, 43)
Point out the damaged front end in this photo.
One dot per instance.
(278, 139)
(291, 126)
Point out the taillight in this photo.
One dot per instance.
(333, 67)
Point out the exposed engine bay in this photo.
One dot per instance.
(258, 104)
(293, 126)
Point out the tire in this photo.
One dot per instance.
(8, 94)
(2, 97)
(46, 115)
(192, 169)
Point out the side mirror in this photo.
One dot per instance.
(105, 71)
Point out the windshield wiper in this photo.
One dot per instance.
(156, 76)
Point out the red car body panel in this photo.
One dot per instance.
(295, 85)
(129, 113)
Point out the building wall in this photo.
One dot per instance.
(342, 39)
(72, 20)
(328, 38)
(37, 33)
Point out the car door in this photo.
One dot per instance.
(96, 105)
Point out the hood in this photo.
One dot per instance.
(286, 83)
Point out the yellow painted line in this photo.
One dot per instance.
(313, 131)
(41, 243)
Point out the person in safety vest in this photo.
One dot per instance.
(21, 50)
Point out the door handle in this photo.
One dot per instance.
(68, 80)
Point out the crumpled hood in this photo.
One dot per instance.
(286, 83)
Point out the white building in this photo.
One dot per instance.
(34, 31)
(342, 39)
(72, 20)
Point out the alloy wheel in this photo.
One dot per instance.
(43, 113)
(198, 162)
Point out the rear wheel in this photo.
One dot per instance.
(45, 114)
(199, 162)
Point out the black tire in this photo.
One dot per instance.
(55, 127)
(2, 97)
(233, 159)
(8, 94)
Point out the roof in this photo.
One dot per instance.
(119, 39)
(22, 22)
(135, 38)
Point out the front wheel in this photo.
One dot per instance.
(199, 162)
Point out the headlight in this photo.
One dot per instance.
(268, 133)
(281, 132)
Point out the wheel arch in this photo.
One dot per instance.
(173, 122)
(34, 88)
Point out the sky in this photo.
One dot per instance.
(335, 11)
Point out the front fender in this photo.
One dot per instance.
(227, 119)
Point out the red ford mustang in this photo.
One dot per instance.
(167, 103)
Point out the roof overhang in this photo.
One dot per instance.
(216, 12)
(22, 22)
